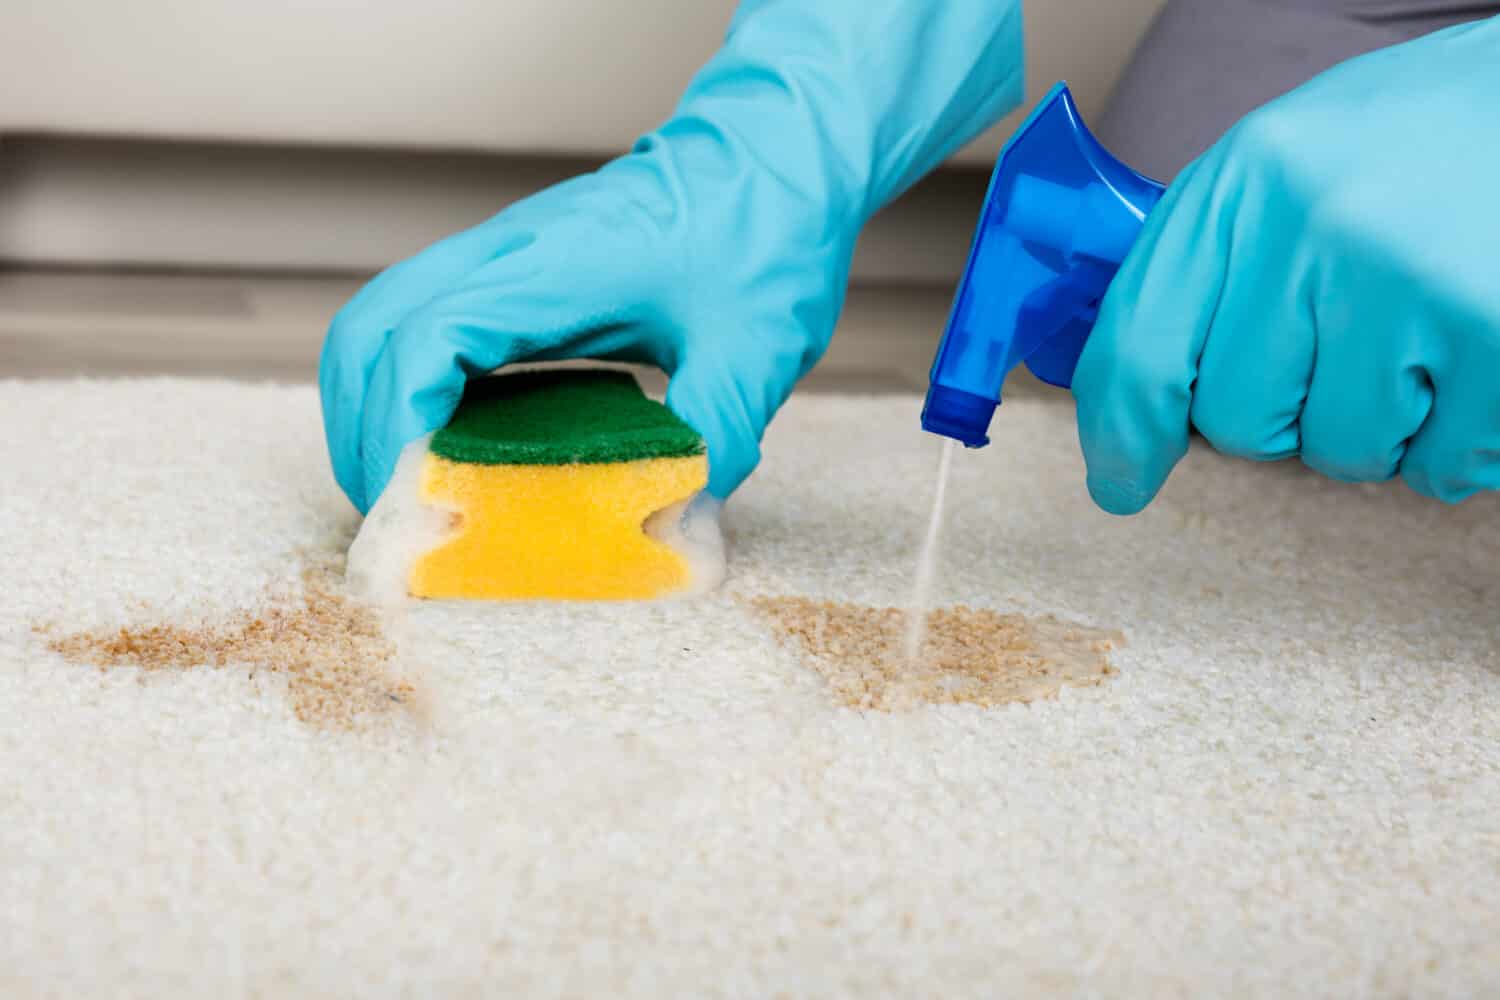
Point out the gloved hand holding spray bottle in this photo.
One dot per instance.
(1324, 283)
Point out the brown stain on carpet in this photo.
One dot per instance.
(331, 651)
(972, 655)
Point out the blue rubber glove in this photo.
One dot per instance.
(1324, 282)
(718, 249)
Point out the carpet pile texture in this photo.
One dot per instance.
(1290, 785)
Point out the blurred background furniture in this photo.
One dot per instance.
(191, 185)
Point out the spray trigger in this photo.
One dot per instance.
(1060, 216)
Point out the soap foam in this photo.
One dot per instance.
(693, 528)
(396, 532)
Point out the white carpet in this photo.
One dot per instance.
(1291, 788)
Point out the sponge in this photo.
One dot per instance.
(556, 485)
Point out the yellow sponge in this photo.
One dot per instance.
(556, 531)
(565, 485)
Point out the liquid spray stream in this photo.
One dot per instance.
(921, 598)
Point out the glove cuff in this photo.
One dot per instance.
(850, 102)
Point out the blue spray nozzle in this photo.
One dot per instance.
(1060, 216)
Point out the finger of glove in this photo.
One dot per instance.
(1456, 452)
(1360, 416)
(513, 309)
(730, 395)
(1256, 361)
(1365, 402)
(361, 328)
(1134, 379)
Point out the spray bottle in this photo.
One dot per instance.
(1060, 216)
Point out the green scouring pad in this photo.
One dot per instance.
(560, 418)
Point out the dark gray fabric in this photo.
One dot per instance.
(1204, 64)
(1410, 18)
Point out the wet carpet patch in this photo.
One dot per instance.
(971, 655)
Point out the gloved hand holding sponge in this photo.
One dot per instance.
(719, 249)
(1325, 281)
